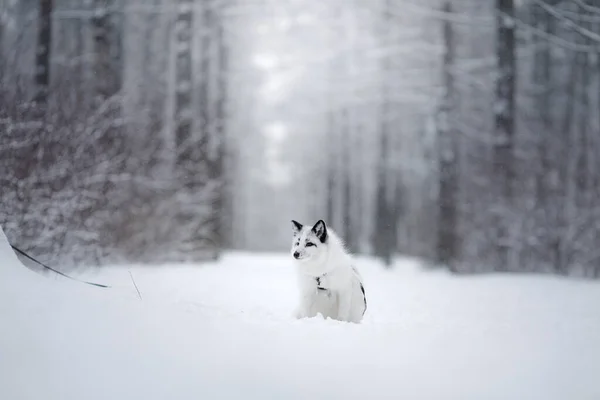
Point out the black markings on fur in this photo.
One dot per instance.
(318, 279)
(362, 289)
(320, 229)
(297, 226)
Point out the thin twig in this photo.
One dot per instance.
(24, 254)
(136, 288)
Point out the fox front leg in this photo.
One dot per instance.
(344, 306)
(299, 313)
(303, 307)
(306, 301)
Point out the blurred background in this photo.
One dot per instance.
(463, 132)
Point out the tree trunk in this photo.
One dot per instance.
(331, 168)
(385, 225)
(447, 240)
(106, 36)
(584, 180)
(546, 186)
(383, 218)
(504, 110)
(347, 200)
(5, 15)
(542, 73)
(43, 52)
(223, 203)
(187, 153)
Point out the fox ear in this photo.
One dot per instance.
(320, 229)
(297, 226)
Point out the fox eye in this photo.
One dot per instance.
(309, 244)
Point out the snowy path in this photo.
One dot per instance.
(225, 332)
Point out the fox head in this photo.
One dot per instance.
(309, 242)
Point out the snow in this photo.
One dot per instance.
(225, 331)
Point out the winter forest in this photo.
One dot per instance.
(463, 132)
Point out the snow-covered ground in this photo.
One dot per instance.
(225, 332)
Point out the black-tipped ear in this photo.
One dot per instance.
(297, 226)
(320, 230)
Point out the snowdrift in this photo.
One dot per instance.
(224, 331)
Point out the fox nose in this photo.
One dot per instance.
(296, 255)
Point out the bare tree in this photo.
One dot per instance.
(224, 203)
(43, 52)
(186, 144)
(107, 49)
(447, 235)
(347, 181)
(385, 236)
(504, 116)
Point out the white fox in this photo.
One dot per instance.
(328, 280)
